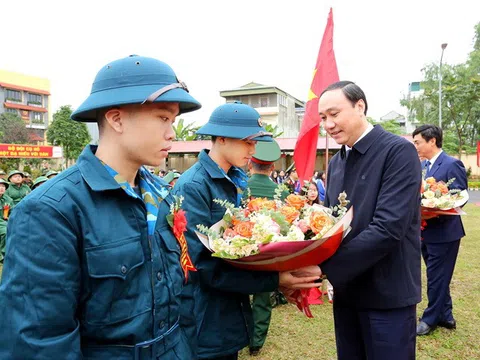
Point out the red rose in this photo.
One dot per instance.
(179, 223)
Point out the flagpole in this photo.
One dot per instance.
(326, 157)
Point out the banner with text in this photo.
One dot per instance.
(30, 151)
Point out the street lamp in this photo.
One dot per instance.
(440, 88)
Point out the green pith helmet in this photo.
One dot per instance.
(38, 181)
(6, 183)
(50, 173)
(14, 172)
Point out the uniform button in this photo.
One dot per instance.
(162, 324)
(159, 276)
(123, 269)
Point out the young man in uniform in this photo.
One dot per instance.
(215, 304)
(6, 204)
(18, 190)
(92, 269)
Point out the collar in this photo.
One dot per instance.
(212, 168)
(93, 171)
(260, 177)
(367, 130)
(368, 138)
(433, 159)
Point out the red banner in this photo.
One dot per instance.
(29, 151)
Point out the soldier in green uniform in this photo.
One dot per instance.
(261, 165)
(51, 174)
(39, 181)
(2, 174)
(5, 201)
(18, 190)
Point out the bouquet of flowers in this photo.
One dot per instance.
(275, 235)
(438, 199)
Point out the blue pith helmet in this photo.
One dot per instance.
(237, 121)
(134, 80)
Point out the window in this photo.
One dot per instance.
(263, 102)
(14, 95)
(35, 99)
(37, 117)
(11, 111)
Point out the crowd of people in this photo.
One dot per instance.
(105, 262)
(14, 187)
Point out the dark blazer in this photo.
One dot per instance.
(377, 266)
(446, 228)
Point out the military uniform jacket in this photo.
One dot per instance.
(262, 186)
(215, 304)
(4, 200)
(83, 280)
(17, 193)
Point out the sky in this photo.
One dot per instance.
(219, 45)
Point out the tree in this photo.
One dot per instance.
(13, 130)
(71, 135)
(185, 133)
(460, 100)
(391, 125)
(274, 130)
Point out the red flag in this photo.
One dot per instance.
(325, 73)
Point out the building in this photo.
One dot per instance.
(275, 106)
(28, 97)
(184, 153)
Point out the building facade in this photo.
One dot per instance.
(28, 97)
(275, 106)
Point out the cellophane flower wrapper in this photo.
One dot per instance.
(438, 199)
(285, 249)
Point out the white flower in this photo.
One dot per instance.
(429, 194)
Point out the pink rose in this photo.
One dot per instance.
(302, 224)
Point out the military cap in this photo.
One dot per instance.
(14, 172)
(38, 181)
(6, 183)
(266, 152)
(2, 172)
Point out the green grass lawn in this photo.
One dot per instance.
(293, 336)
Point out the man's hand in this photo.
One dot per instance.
(302, 278)
(308, 271)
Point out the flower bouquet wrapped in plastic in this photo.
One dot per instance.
(275, 235)
(438, 199)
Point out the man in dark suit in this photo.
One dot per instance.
(441, 236)
(376, 270)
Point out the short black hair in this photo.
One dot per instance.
(428, 132)
(352, 92)
(261, 167)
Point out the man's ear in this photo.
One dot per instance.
(114, 119)
(360, 105)
(221, 140)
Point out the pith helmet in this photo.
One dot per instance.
(38, 181)
(14, 172)
(237, 121)
(6, 183)
(134, 80)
